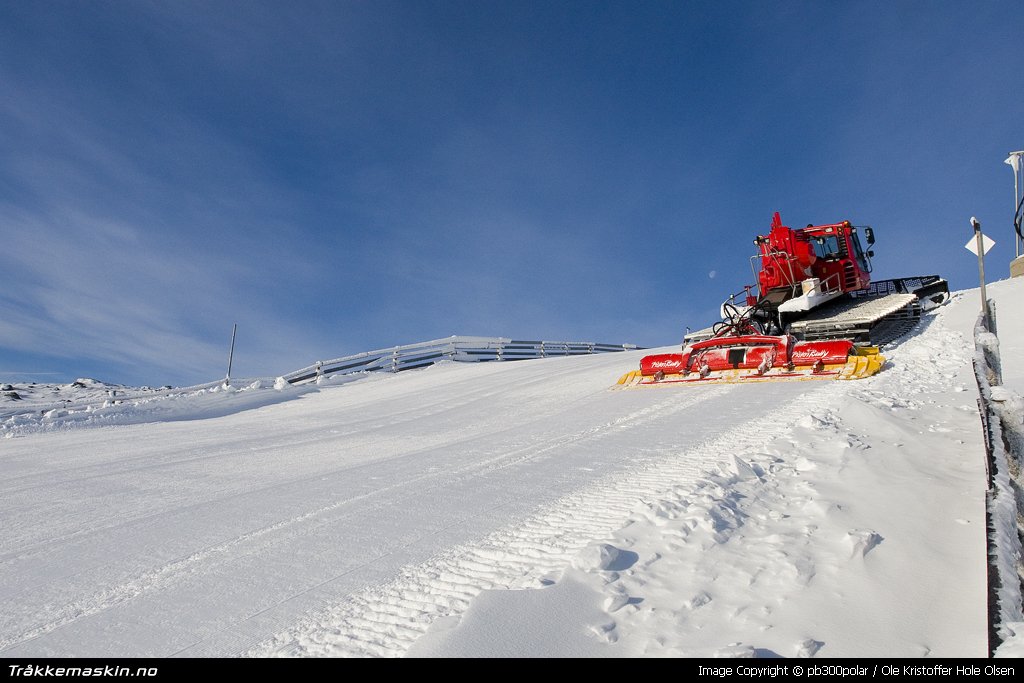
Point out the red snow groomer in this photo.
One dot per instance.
(816, 315)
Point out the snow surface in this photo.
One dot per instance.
(800, 519)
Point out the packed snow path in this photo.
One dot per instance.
(350, 520)
(203, 537)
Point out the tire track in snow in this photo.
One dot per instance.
(528, 555)
(209, 558)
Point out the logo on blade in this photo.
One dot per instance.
(665, 364)
(810, 353)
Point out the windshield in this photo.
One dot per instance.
(859, 254)
(826, 247)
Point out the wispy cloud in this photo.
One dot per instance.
(109, 256)
(338, 176)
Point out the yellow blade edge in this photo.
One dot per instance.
(629, 378)
(866, 363)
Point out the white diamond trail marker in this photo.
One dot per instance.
(986, 244)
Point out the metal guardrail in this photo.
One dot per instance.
(1003, 456)
(394, 359)
(455, 348)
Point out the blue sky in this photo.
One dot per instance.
(340, 176)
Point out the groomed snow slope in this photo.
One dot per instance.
(818, 518)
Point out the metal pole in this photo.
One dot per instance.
(981, 268)
(1016, 200)
(1017, 169)
(1014, 159)
(231, 355)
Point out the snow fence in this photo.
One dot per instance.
(454, 348)
(1004, 447)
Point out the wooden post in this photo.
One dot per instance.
(981, 270)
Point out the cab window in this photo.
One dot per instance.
(826, 246)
